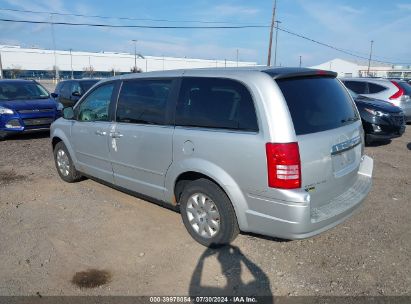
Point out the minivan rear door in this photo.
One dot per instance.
(329, 134)
(141, 139)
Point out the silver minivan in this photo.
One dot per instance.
(278, 152)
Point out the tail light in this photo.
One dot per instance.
(399, 93)
(283, 165)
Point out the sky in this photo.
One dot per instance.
(345, 24)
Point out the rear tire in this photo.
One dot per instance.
(64, 164)
(208, 214)
(368, 140)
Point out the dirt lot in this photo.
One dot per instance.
(50, 231)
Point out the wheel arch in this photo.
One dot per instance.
(191, 169)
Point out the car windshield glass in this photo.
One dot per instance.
(86, 85)
(22, 91)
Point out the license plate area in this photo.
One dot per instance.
(345, 155)
(343, 160)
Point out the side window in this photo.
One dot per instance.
(58, 88)
(75, 87)
(375, 88)
(358, 87)
(143, 101)
(215, 103)
(95, 106)
(65, 89)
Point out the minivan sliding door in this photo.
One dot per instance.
(141, 140)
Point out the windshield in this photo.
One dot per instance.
(317, 103)
(352, 93)
(86, 85)
(22, 91)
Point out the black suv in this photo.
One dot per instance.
(68, 92)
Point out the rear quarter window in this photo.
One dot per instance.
(215, 103)
(358, 87)
(317, 104)
(375, 88)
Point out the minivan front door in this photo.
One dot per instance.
(91, 133)
(141, 141)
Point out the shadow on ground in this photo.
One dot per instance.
(409, 146)
(379, 143)
(232, 262)
(28, 136)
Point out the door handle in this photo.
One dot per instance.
(101, 133)
(116, 135)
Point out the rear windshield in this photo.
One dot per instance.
(317, 104)
(406, 87)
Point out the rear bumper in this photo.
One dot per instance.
(291, 220)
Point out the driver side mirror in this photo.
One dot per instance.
(54, 95)
(76, 94)
(68, 113)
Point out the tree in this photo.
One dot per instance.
(88, 71)
(15, 71)
(114, 71)
(135, 69)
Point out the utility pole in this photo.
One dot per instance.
(271, 34)
(300, 61)
(237, 58)
(276, 43)
(135, 54)
(71, 64)
(369, 60)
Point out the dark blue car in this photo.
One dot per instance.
(25, 106)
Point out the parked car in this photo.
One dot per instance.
(396, 92)
(25, 105)
(380, 120)
(277, 152)
(68, 92)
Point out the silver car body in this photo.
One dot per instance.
(149, 159)
(404, 101)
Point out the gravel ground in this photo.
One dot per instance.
(55, 236)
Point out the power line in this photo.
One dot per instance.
(133, 26)
(119, 18)
(350, 53)
(335, 48)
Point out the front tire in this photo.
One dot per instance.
(64, 164)
(3, 135)
(208, 214)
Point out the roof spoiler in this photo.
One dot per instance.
(282, 73)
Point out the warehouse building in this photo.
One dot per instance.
(348, 68)
(18, 62)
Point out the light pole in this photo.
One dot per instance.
(300, 61)
(1, 68)
(135, 54)
(369, 60)
(71, 64)
(276, 42)
(237, 57)
(54, 48)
